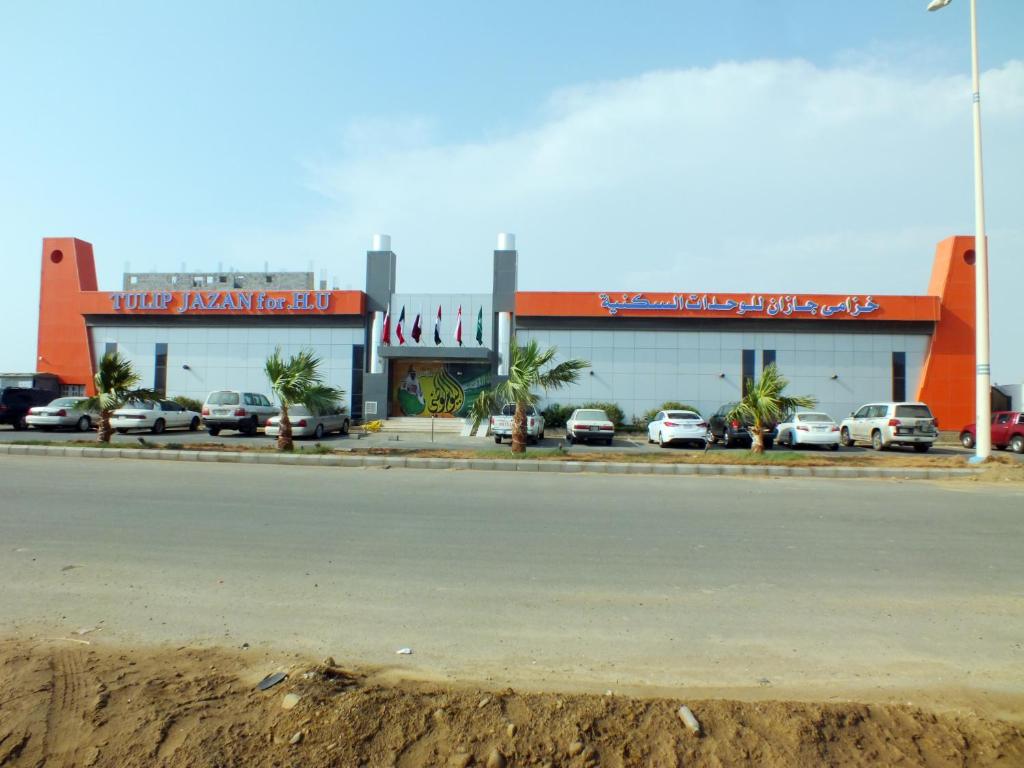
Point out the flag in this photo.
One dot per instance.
(385, 336)
(458, 327)
(437, 326)
(480, 327)
(417, 327)
(398, 328)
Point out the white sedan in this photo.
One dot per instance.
(305, 423)
(677, 427)
(64, 412)
(809, 429)
(154, 416)
(587, 424)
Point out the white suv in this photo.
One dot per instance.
(231, 409)
(887, 424)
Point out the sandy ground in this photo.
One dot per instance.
(73, 701)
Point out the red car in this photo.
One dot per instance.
(1007, 431)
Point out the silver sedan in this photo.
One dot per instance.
(62, 413)
(305, 423)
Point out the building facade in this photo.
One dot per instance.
(406, 354)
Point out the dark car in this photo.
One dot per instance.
(1007, 431)
(732, 432)
(15, 402)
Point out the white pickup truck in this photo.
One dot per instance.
(501, 425)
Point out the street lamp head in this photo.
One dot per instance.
(935, 5)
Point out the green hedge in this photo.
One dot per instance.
(556, 415)
(188, 403)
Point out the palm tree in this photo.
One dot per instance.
(297, 381)
(115, 383)
(764, 404)
(524, 375)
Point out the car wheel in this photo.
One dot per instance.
(769, 443)
(966, 439)
(922, 447)
(608, 441)
(661, 440)
(21, 423)
(541, 435)
(497, 439)
(709, 438)
(568, 438)
(876, 441)
(121, 431)
(194, 424)
(214, 431)
(158, 426)
(317, 433)
(1017, 444)
(727, 441)
(649, 438)
(844, 437)
(250, 428)
(83, 424)
(345, 427)
(834, 447)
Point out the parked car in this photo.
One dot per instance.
(154, 416)
(677, 427)
(64, 412)
(808, 429)
(15, 403)
(887, 424)
(733, 432)
(589, 424)
(305, 423)
(241, 411)
(1007, 431)
(501, 424)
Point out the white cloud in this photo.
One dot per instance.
(764, 175)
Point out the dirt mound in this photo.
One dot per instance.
(64, 703)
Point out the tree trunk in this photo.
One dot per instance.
(284, 434)
(519, 430)
(105, 431)
(757, 437)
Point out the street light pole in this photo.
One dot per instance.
(983, 371)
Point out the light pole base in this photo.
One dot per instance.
(977, 459)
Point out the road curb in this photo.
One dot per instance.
(508, 465)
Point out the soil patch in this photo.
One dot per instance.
(67, 703)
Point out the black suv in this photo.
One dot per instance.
(15, 402)
(734, 432)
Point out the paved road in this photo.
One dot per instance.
(624, 442)
(821, 585)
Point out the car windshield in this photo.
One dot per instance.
(818, 417)
(509, 409)
(913, 411)
(139, 405)
(592, 416)
(223, 398)
(681, 415)
(65, 402)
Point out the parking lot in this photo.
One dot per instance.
(624, 442)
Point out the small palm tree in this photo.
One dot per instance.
(297, 381)
(764, 404)
(525, 374)
(116, 384)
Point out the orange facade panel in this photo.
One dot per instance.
(728, 305)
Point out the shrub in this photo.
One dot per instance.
(188, 403)
(373, 426)
(556, 415)
(614, 412)
(671, 405)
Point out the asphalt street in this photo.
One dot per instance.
(587, 580)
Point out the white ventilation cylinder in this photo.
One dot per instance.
(381, 243)
(506, 241)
